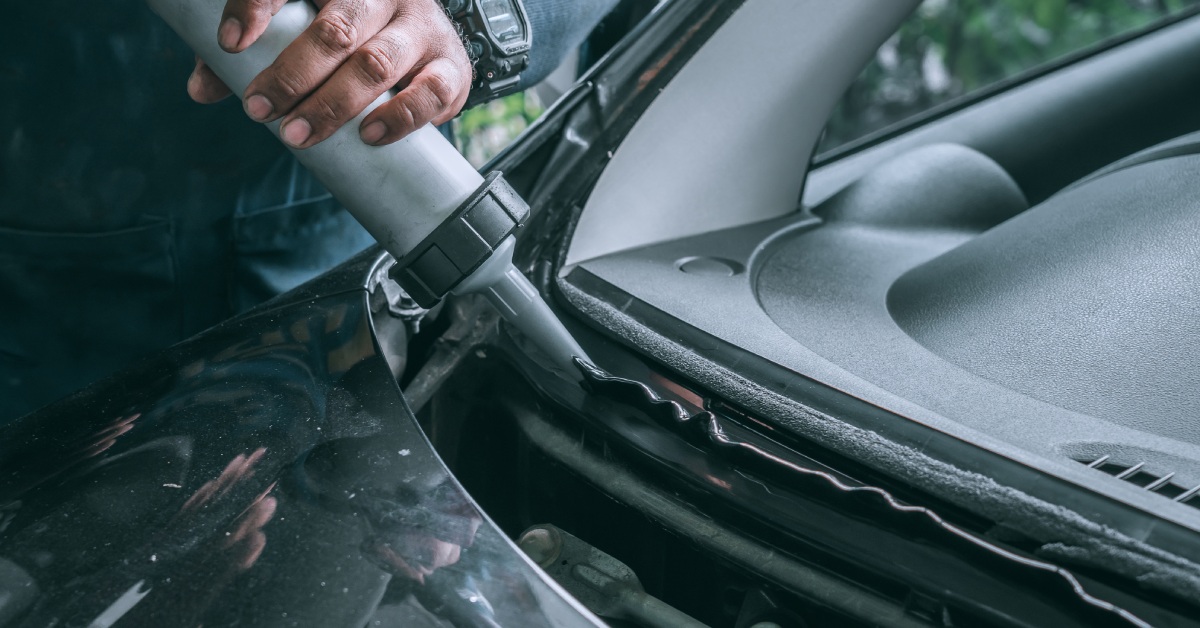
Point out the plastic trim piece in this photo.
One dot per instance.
(1108, 521)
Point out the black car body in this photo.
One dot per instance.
(305, 463)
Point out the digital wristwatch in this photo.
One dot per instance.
(498, 37)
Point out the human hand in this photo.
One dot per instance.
(353, 51)
(239, 469)
(415, 555)
(201, 573)
(244, 540)
(106, 437)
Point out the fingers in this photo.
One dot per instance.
(104, 439)
(252, 550)
(394, 562)
(243, 21)
(200, 497)
(117, 428)
(99, 448)
(204, 86)
(231, 470)
(355, 51)
(241, 467)
(259, 514)
(370, 71)
(126, 420)
(247, 538)
(434, 95)
(443, 555)
(255, 456)
(337, 32)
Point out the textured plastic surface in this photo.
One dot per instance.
(815, 300)
(1088, 302)
(686, 169)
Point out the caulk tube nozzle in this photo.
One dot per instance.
(520, 304)
(399, 192)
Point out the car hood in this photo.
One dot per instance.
(268, 471)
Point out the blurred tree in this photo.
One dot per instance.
(484, 131)
(949, 48)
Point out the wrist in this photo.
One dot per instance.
(498, 38)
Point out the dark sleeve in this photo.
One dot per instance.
(559, 26)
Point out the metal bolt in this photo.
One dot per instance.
(541, 544)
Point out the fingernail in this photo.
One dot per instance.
(373, 132)
(229, 34)
(258, 107)
(296, 132)
(193, 84)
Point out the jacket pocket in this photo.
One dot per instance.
(74, 307)
(288, 229)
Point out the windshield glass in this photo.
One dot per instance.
(950, 48)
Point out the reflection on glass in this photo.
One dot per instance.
(949, 49)
(502, 18)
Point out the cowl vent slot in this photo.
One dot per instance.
(1153, 480)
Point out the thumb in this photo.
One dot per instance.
(204, 86)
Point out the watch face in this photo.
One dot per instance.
(503, 20)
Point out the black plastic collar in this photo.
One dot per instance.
(462, 243)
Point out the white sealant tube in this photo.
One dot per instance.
(399, 192)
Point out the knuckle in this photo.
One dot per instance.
(289, 85)
(246, 10)
(404, 115)
(378, 63)
(335, 32)
(441, 90)
(459, 58)
(325, 112)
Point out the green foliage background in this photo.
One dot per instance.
(949, 48)
(484, 131)
(946, 49)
